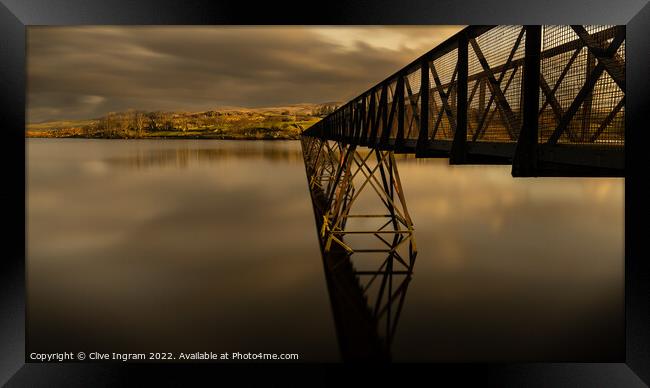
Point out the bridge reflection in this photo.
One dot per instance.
(369, 253)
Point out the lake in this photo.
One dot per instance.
(211, 245)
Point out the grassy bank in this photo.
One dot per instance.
(232, 124)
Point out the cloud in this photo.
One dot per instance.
(92, 100)
(83, 72)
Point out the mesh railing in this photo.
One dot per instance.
(570, 65)
(412, 103)
(581, 91)
(442, 96)
(495, 62)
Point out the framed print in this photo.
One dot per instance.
(202, 190)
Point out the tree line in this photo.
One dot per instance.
(324, 110)
(135, 124)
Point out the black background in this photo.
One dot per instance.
(16, 14)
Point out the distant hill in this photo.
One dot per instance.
(279, 122)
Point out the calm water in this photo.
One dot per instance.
(211, 246)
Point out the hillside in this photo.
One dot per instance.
(285, 122)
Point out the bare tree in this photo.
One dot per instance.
(138, 120)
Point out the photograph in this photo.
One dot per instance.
(233, 191)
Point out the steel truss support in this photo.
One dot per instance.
(342, 174)
(364, 225)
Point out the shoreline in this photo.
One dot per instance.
(168, 138)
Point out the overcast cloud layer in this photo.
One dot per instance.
(85, 72)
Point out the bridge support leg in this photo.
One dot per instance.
(345, 178)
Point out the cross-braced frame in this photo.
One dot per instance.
(365, 229)
(344, 175)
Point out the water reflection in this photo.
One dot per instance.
(220, 253)
(205, 258)
(186, 154)
(365, 330)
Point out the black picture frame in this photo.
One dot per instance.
(15, 15)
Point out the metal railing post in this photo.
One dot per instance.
(423, 138)
(458, 154)
(399, 141)
(384, 113)
(526, 152)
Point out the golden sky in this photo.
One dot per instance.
(85, 72)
